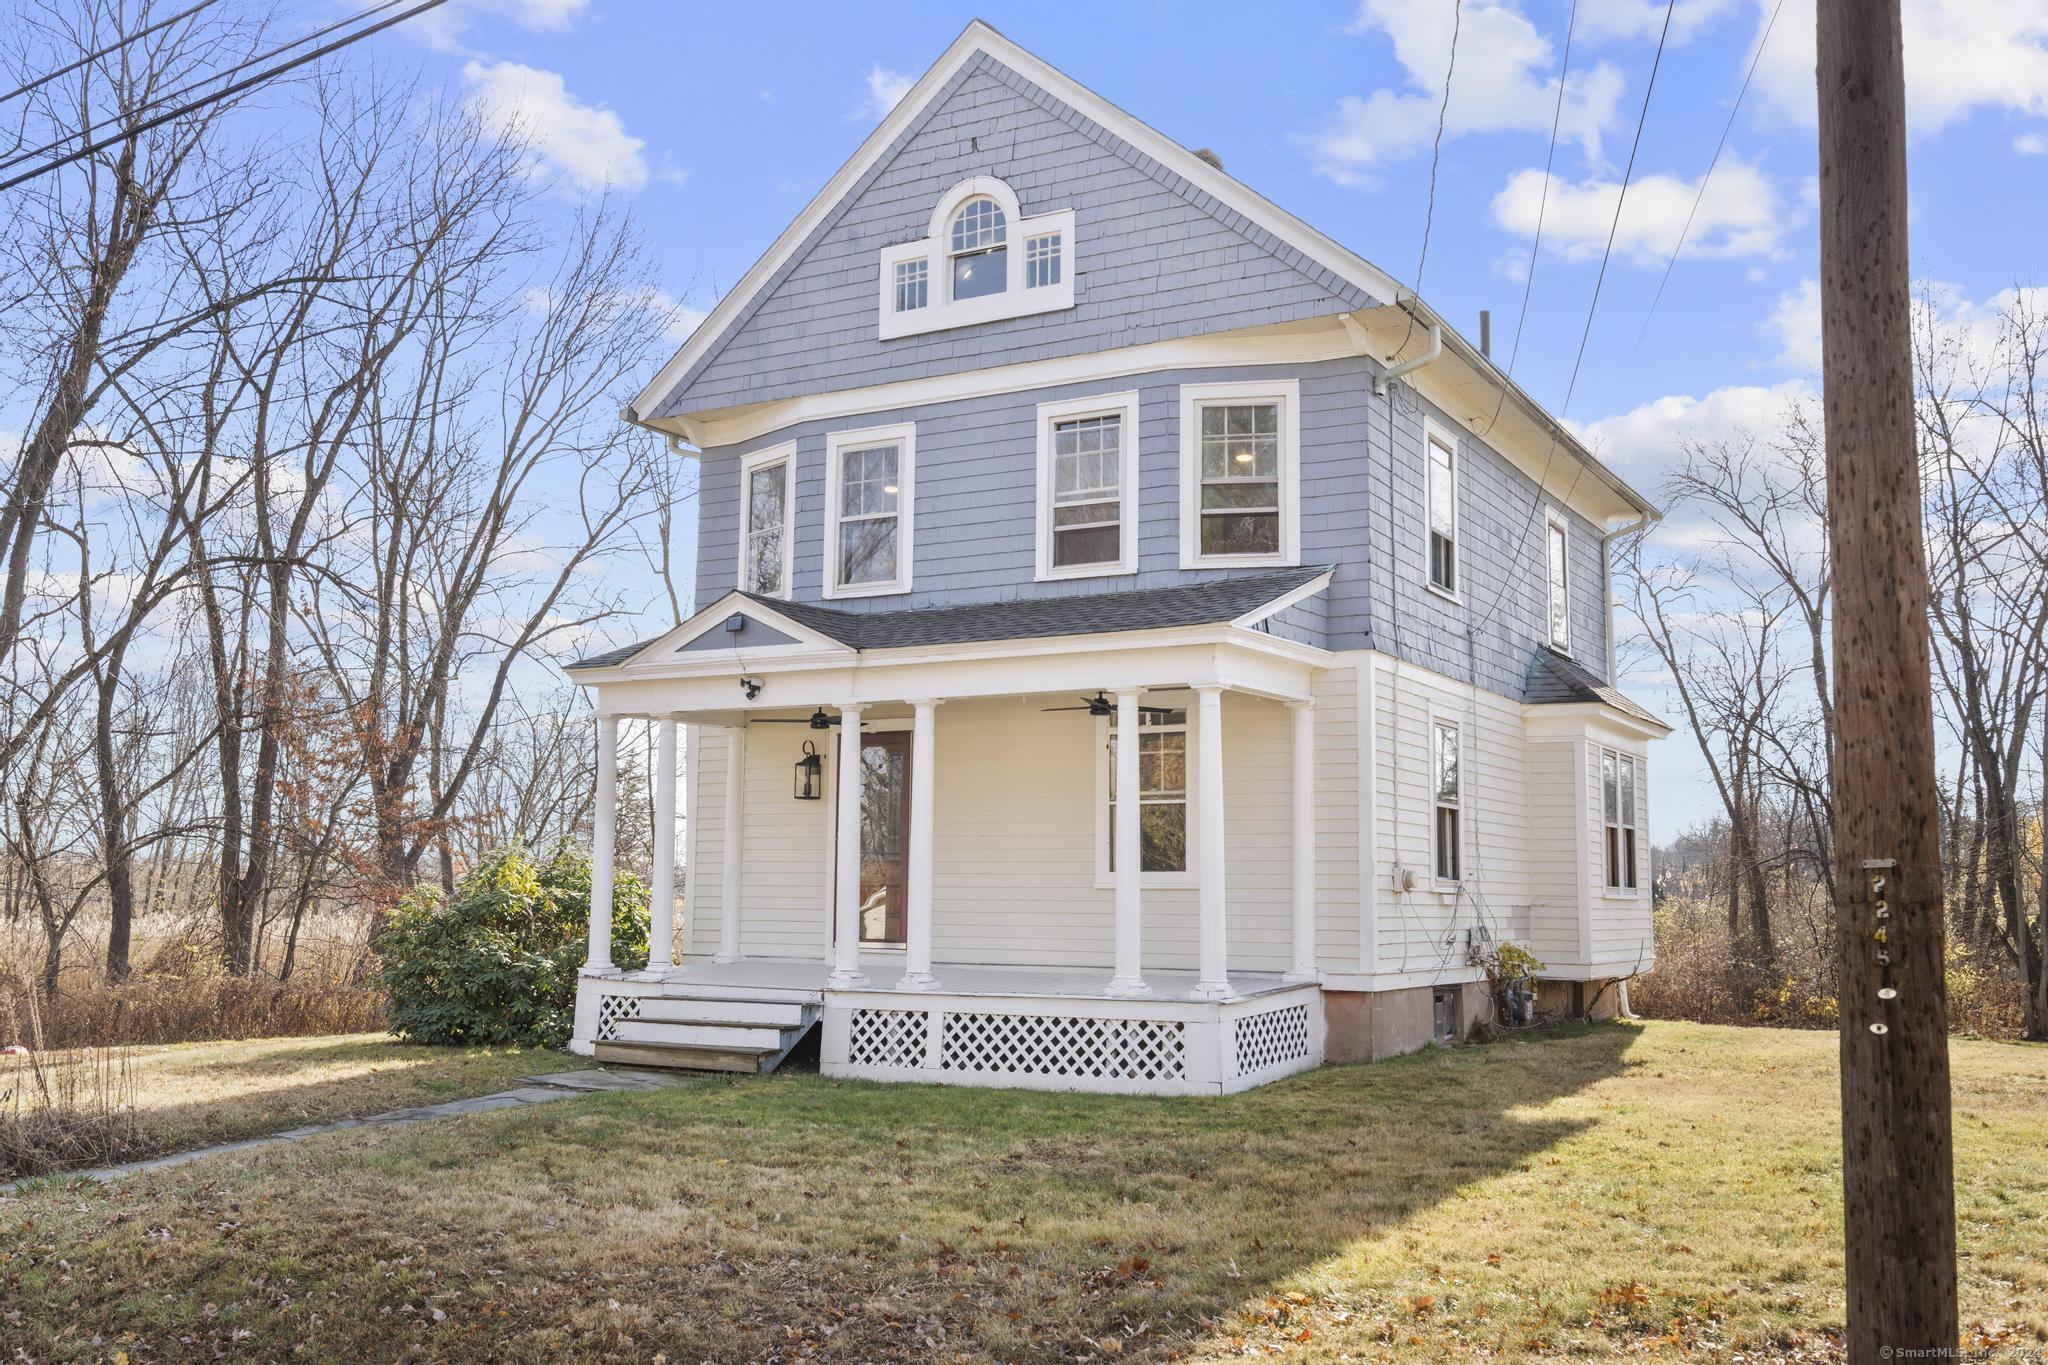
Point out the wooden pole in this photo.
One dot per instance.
(1898, 1180)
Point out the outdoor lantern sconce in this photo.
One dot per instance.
(810, 770)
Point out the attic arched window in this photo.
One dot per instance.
(982, 259)
(978, 244)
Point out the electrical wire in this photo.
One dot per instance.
(110, 48)
(1628, 173)
(1699, 197)
(249, 82)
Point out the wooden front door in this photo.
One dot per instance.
(884, 833)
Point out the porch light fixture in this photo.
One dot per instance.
(810, 773)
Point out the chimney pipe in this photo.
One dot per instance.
(1486, 332)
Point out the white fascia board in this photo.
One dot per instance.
(978, 37)
(1572, 719)
(1304, 342)
(1283, 602)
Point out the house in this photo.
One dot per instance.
(1139, 646)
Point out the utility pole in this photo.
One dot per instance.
(1898, 1177)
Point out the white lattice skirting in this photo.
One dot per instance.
(1147, 1047)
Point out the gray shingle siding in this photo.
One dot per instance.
(1153, 259)
(1361, 504)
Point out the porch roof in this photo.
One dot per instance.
(1218, 602)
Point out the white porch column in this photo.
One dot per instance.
(1215, 957)
(604, 819)
(734, 843)
(1129, 978)
(1304, 832)
(661, 915)
(917, 909)
(846, 934)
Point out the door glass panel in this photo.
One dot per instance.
(884, 794)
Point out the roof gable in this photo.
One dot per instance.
(1059, 145)
(746, 627)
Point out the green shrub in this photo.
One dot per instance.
(496, 963)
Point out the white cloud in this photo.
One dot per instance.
(445, 27)
(1796, 324)
(1740, 216)
(1643, 20)
(1505, 83)
(587, 144)
(2030, 144)
(1644, 442)
(885, 89)
(1961, 55)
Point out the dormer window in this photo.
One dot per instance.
(964, 270)
(980, 251)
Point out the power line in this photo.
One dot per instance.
(140, 33)
(1719, 147)
(1627, 174)
(1436, 150)
(238, 87)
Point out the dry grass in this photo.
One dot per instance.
(179, 993)
(1668, 1190)
(1701, 977)
(168, 1099)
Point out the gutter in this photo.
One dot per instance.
(1607, 539)
(1413, 363)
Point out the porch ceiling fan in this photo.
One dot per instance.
(817, 720)
(1101, 705)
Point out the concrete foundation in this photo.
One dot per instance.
(1367, 1026)
(1599, 1000)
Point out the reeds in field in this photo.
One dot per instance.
(66, 1109)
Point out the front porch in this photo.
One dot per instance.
(1040, 1026)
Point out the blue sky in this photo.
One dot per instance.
(718, 122)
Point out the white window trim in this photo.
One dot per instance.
(1449, 885)
(1185, 880)
(1125, 406)
(1433, 430)
(904, 436)
(1608, 890)
(1195, 397)
(941, 311)
(1555, 520)
(784, 454)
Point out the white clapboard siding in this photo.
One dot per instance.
(1557, 807)
(1337, 794)
(1622, 939)
(1414, 925)
(783, 870)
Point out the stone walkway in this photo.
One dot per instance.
(557, 1085)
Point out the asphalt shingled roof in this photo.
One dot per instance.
(1554, 680)
(1198, 604)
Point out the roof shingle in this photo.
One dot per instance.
(1555, 680)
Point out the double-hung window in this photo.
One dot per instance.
(868, 503)
(1162, 793)
(1240, 474)
(1558, 543)
(1442, 497)
(766, 495)
(1618, 809)
(1087, 486)
(1447, 801)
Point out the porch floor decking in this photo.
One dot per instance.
(957, 978)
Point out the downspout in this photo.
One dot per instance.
(1413, 363)
(1643, 522)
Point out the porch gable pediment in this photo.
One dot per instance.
(736, 629)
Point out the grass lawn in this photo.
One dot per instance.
(1621, 1191)
(192, 1094)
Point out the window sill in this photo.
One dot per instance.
(832, 594)
(1273, 561)
(1611, 894)
(1084, 571)
(1446, 594)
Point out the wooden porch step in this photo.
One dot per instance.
(691, 1033)
(684, 1058)
(719, 1011)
